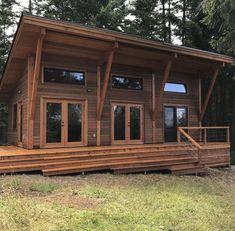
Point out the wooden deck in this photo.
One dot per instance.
(177, 158)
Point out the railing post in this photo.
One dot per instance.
(205, 136)
(228, 135)
(178, 136)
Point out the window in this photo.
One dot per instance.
(176, 87)
(53, 75)
(127, 82)
(15, 116)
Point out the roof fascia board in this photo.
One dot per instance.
(113, 36)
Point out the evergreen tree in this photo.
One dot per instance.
(145, 20)
(7, 21)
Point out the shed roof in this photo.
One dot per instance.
(90, 42)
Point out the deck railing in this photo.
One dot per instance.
(192, 146)
(206, 135)
(195, 137)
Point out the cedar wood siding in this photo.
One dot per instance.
(16, 97)
(60, 91)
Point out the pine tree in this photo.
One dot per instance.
(145, 19)
(7, 21)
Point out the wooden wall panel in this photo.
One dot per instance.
(89, 92)
(20, 93)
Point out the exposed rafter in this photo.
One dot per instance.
(106, 80)
(212, 83)
(161, 89)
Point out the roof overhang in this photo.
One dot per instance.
(74, 40)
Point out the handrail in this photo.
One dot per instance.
(198, 146)
(205, 129)
(200, 128)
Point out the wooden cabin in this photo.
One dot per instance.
(83, 99)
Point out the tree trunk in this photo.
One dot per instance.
(163, 20)
(169, 20)
(184, 23)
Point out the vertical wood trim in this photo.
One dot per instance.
(105, 86)
(36, 75)
(161, 90)
(33, 85)
(98, 102)
(153, 109)
(29, 81)
(212, 83)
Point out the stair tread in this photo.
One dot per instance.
(118, 163)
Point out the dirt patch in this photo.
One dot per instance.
(72, 201)
(223, 174)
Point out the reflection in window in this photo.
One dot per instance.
(119, 122)
(127, 83)
(175, 87)
(64, 76)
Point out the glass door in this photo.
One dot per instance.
(174, 117)
(127, 123)
(65, 123)
(74, 124)
(135, 123)
(54, 123)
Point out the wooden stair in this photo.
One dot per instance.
(119, 159)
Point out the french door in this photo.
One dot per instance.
(174, 117)
(20, 123)
(127, 123)
(64, 123)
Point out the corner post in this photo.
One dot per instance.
(34, 84)
(153, 108)
(98, 102)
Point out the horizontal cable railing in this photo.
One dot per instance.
(192, 146)
(204, 135)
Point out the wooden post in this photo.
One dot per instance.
(161, 90)
(178, 136)
(212, 83)
(153, 109)
(106, 81)
(30, 122)
(205, 135)
(98, 102)
(34, 85)
(228, 135)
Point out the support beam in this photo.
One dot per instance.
(212, 83)
(153, 108)
(30, 122)
(161, 89)
(33, 80)
(106, 81)
(98, 102)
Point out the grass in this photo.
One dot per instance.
(125, 202)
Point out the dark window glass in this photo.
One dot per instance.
(15, 116)
(119, 123)
(74, 122)
(53, 132)
(176, 87)
(134, 123)
(127, 83)
(64, 76)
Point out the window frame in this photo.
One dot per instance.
(64, 68)
(126, 76)
(175, 92)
